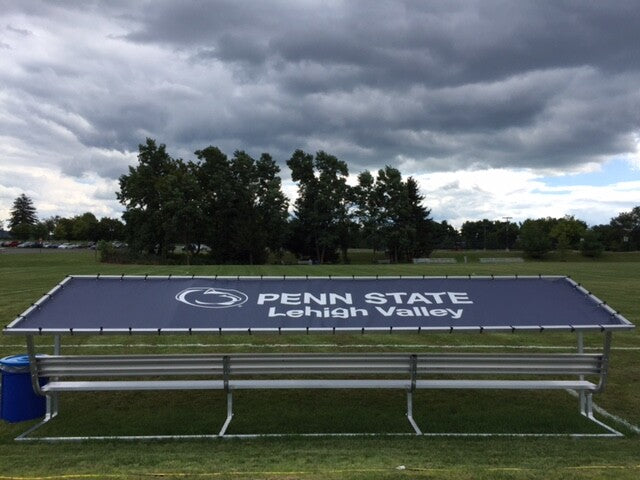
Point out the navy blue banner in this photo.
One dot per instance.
(117, 304)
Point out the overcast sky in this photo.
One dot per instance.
(497, 108)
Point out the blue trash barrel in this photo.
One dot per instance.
(18, 401)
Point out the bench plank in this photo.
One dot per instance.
(116, 385)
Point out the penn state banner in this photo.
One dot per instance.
(207, 304)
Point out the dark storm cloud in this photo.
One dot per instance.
(431, 85)
(531, 84)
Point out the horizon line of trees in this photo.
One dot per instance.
(236, 206)
(24, 224)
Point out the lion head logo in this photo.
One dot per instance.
(210, 297)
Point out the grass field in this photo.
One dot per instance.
(24, 278)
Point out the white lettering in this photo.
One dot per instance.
(437, 296)
(290, 298)
(375, 298)
(267, 297)
(386, 313)
(309, 298)
(346, 298)
(459, 297)
(417, 297)
(397, 296)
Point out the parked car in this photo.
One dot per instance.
(11, 243)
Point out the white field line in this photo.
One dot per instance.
(321, 345)
(610, 416)
(615, 418)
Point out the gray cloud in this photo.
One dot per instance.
(486, 83)
(19, 31)
(428, 86)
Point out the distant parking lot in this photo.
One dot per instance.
(19, 251)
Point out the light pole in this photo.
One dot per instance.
(506, 233)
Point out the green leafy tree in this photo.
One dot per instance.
(248, 239)
(63, 229)
(405, 223)
(481, 235)
(591, 246)
(272, 205)
(322, 207)
(243, 208)
(147, 192)
(369, 210)
(397, 231)
(626, 229)
(216, 201)
(110, 229)
(84, 227)
(43, 230)
(445, 236)
(181, 210)
(534, 239)
(566, 233)
(419, 221)
(23, 217)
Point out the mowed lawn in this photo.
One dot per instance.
(25, 277)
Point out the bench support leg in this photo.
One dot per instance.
(410, 413)
(588, 412)
(52, 412)
(583, 402)
(229, 414)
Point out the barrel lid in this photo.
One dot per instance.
(15, 361)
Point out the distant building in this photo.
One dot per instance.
(4, 235)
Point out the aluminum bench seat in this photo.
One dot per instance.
(507, 384)
(120, 385)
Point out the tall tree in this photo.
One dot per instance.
(322, 206)
(110, 229)
(23, 217)
(243, 205)
(395, 212)
(248, 240)
(591, 246)
(146, 192)
(626, 227)
(419, 221)
(369, 210)
(445, 236)
(216, 183)
(405, 222)
(85, 227)
(534, 238)
(272, 204)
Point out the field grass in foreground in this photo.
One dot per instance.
(24, 278)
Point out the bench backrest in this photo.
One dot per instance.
(217, 365)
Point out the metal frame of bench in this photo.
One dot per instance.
(229, 372)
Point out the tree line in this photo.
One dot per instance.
(236, 207)
(24, 224)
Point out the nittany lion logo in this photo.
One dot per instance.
(210, 297)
